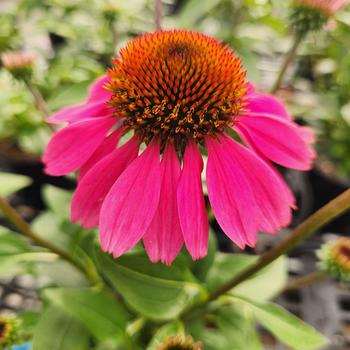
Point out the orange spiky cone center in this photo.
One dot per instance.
(176, 85)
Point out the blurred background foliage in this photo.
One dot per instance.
(75, 40)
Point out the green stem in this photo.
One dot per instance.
(305, 281)
(39, 101)
(323, 216)
(298, 37)
(25, 229)
(158, 14)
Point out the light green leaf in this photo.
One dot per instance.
(12, 182)
(154, 290)
(267, 284)
(259, 286)
(227, 266)
(57, 330)
(58, 200)
(61, 273)
(171, 329)
(13, 254)
(286, 327)
(98, 311)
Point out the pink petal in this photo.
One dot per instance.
(97, 90)
(107, 146)
(163, 239)
(72, 146)
(307, 134)
(130, 205)
(230, 194)
(277, 139)
(94, 106)
(95, 185)
(81, 112)
(191, 205)
(266, 104)
(270, 202)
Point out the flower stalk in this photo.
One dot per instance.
(323, 216)
(24, 228)
(298, 38)
(305, 281)
(39, 101)
(158, 14)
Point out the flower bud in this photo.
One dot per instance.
(310, 15)
(335, 258)
(9, 331)
(180, 343)
(19, 64)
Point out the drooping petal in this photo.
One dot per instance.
(230, 194)
(267, 104)
(81, 112)
(163, 239)
(277, 139)
(191, 205)
(97, 90)
(270, 201)
(72, 146)
(130, 205)
(107, 146)
(94, 186)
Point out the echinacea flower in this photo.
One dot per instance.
(328, 7)
(309, 15)
(177, 94)
(335, 258)
(8, 331)
(18, 63)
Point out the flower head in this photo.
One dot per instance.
(310, 15)
(8, 331)
(20, 64)
(177, 93)
(335, 258)
(179, 343)
(328, 7)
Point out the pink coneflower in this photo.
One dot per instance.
(178, 94)
(328, 7)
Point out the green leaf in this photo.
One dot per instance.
(238, 326)
(61, 273)
(259, 286)
(57, 330)
(98, 311)
(47, 225)
(76, 93)
(13, 254)
(12, 182)
(200, 268)
(227, 266)
(286, 327)
(169, 330)
(154, 290)
(57, 200)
